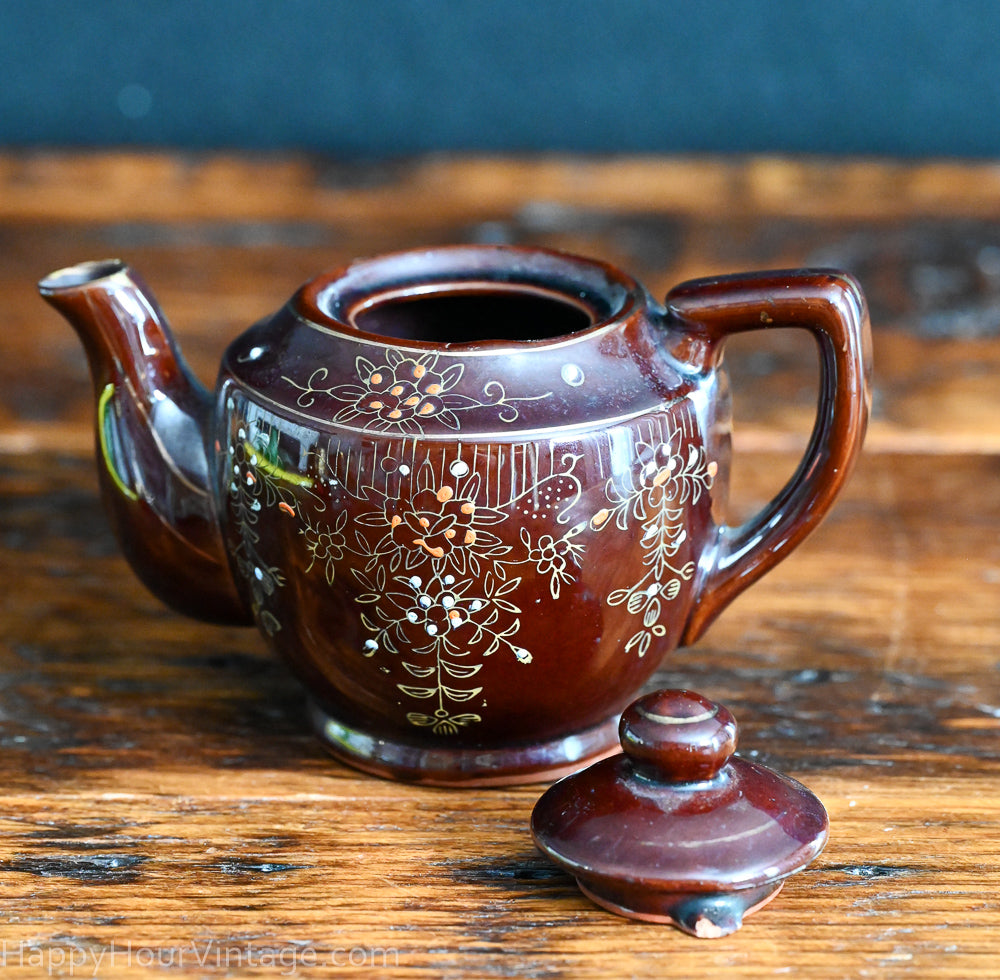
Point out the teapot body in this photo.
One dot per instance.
(468, 502)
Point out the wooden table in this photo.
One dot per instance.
(162, 801)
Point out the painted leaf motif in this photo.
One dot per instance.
(487, 515)
(636, 600)
(425, 477)
(677, 537)
(652, 613)
(509, 586)
(458, 403)
(402, 600)
(422, 721)
(420, 670)
(470, 488)
(418, 692)
(453, 694)
(512, 630)
(348, 414)
(451, 376)
(619, 596)
(269, 622)
(460, 671)
(639, 643)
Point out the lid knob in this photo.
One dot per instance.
(677, 736)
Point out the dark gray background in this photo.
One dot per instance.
(394, 77)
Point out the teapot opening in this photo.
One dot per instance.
(471, 313)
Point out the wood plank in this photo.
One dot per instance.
(128, 186)
(446, 884)
(161, 786)
(226, 240)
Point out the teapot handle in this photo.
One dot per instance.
(831, 306)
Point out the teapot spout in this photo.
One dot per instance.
(152, 420)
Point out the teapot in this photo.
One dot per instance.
(470, 494)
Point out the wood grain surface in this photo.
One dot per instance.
(164, 808)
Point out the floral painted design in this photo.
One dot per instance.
(404, 392)
(252, 487)
(326, 544)
(440, 582)
(439, 523)
(440, 587)
(655, 495)
(555, 557)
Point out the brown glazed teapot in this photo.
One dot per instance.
(471, 494)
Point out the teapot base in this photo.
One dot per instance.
(441, 766)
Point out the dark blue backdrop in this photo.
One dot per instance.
(381, 77)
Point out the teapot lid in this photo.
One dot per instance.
(678, 829)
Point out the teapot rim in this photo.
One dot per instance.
(602, 292)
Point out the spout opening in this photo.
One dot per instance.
(75, 276)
